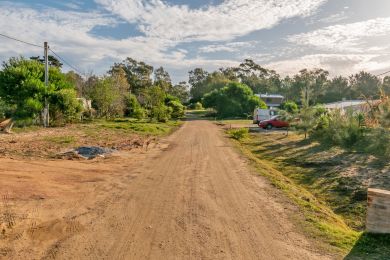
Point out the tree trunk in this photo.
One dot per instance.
(7, 125)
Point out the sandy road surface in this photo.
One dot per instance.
(194, 198)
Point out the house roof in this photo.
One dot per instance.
(270, 96)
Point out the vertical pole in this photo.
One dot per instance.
(46, 109)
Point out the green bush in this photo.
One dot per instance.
(198, 106)
(64, 107)
(5, 110)
(377, 142)
(133, 107)
(290, 106)
(234, 100)
(336, 128)
(22, 88)
(161, 113)
(238, 134)
(177, 109)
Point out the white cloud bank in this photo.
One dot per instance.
(352, 37)
(225, 21)
(164, 26)
(343, 48)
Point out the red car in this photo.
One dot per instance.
(273, 122)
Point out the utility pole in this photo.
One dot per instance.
(46, 109)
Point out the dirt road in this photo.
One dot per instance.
(193, 198)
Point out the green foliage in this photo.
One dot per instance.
(133, 107)
(5, 110)
(336, 128)
(180, 91)
(138, 74)
(364, 84)
(64, 106)
(138, 126)
(22, 88)
(290, 107)
(234, 100)
(106, 98)
(198, 106)
(161, 113)
(177, 109)
(238, 134)
(377, 142)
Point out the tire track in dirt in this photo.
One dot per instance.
(192, 198)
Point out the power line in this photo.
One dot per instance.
(383, 73)
(67, 63)
(15, 39)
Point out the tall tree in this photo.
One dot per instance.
(181, 91)
(364, 84)
(196, 80)
(235, 99)
(162, 79)
(77, 81)
(310, 81)
(53, 61)
(139, 74)
(337, 89)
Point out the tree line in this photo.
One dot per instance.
(129, 88)
(317, 82)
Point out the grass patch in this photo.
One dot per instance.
(319, 220)
(236, 121)
(238, 134)
(329, 184)
(60, 140)
(140, 126)
(371, 246)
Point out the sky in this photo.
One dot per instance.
(341, 36)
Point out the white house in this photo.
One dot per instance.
(271, 100)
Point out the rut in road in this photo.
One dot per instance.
(197, 199)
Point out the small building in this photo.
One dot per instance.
(271, 100)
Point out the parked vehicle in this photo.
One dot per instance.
(275, 121)
(263, 114)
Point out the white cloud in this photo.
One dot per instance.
(225, 21)
(352, 37)
(228, 47)
(336, 64)
(164, 27)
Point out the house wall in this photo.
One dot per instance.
(378, 211)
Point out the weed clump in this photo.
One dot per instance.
(239, 134)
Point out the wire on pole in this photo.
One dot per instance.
(383, 73)
(67, 63)
(15, 39)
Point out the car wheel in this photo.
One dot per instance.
(269, 126)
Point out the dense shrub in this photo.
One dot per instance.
(290, 106)
(161, 113)
(338, 128)
(234, 100)
(238, 134)
(22, 88)
(177, 109)
(133, 108)
(64, 106)
(5, 110)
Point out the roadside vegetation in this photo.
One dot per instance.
(328, 160)
(131, 98)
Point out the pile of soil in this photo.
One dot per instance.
(87, 152)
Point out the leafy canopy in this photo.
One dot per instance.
(233, 100)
